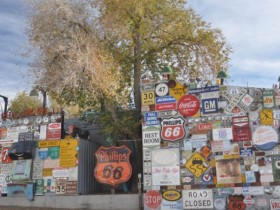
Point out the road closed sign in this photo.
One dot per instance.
(198, 199)
(152, 200)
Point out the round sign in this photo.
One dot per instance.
(161, 89)
(220, 203)
(265, 138)
(188, 105)
(152, 199)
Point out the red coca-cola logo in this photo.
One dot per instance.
(188, 105)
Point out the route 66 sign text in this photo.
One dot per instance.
(113, 166)
(172, 129)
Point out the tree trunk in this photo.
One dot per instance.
(137, 71)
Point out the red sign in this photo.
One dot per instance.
(241, 130)
(188, 105)
(54, 131)
(237, 205)
(172, 129)
(152, 199)
(113, 166)
(5, 157)
(162, 107)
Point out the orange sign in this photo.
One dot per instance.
(113, 166)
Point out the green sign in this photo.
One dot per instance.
(39, 187)
(54, 152)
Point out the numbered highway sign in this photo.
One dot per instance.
(172, 129)
(161, 89)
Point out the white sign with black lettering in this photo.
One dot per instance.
(198, 199)
(151, 136)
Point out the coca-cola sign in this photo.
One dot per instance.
(188, 105)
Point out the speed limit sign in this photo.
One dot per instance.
(172, 129)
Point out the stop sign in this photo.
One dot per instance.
(152, 199)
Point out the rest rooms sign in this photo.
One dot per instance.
(198, 199)
(151, 136)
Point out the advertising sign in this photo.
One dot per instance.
(228, 171)
(198, 199)
(188, 105)
(166, 103)
(113, 166)
(222, 134)
(166, 167)
(266, 116)
(241, 129)
(265, 138)
(268, 101)
(209, 106)
(274, 204)
(204, 89)
(152, 200)
(4, 155)
(54, 131)
(172, 129)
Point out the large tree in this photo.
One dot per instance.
(94, 52)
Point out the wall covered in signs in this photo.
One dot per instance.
(210, 147)
(32, 151)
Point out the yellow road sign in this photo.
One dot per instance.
(197, 164)
(266, 116)
(178, 91)
(148, 98)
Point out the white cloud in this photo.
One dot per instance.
(252, 27)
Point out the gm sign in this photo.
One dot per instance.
(209, 106)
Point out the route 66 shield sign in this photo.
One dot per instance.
(172, 129)
(113, 166)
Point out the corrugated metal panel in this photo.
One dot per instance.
(87, 183)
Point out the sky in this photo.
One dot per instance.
(251, 27)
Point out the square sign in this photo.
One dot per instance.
(151, 118)
(209, 106)
(148, 98)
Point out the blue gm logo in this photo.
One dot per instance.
(209, 106)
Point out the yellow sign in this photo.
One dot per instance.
(266, 116)
(178, 91)
(47, 171)
(148, 98)
(68, 153)
(48, 143)
(197, 164)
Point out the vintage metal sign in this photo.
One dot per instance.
(113, 166)
(161, 89)
(151, 118)
(152, 199)
(241, 129)
(204, 89)
(265, 138)
(197, 164)
(178, 91)
(166, 103)
(166, 167)
(198, 199)
(54, 131)
(266, 116)
(172, 129)
(68, 153)
(148, 98)
(222, 134)
(188, 105)
(151, 136)
(209, 106)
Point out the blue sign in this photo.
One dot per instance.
(209, 106)
(204, 89)
(165, 100)
(151, 118)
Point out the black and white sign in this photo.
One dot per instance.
(161, 89)
(198, 199)
(151, 136)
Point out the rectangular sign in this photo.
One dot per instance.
(151, 118)
(209, 106)
(222, 134)
(163, 107)
(49, 143)
(204, 89)
(198, 199)
(165, 100)
(151, 137)
(148, 98)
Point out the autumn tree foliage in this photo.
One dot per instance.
(92, 53)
